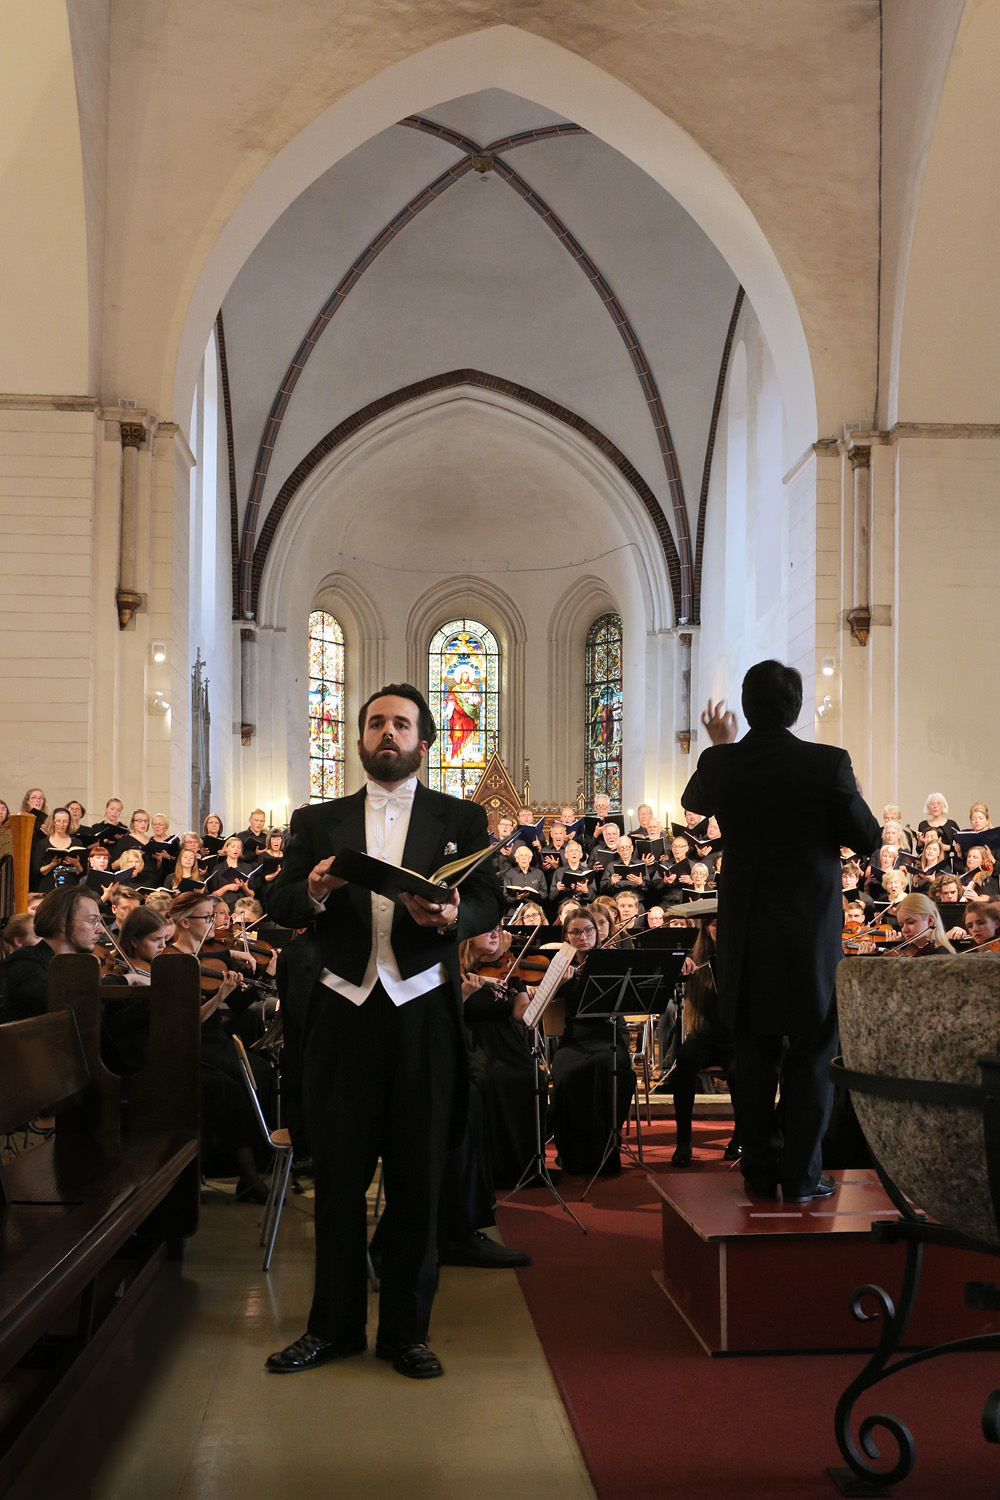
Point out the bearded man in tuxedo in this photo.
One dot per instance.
(374, 1054)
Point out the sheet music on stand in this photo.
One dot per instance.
(551, 980)
(626, 981)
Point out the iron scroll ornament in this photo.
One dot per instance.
(914, 1229)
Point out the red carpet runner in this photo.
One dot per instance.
(655, 1416)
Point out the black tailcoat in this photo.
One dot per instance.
(784, 808)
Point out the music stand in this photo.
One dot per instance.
(615, 982)
(537, 1170)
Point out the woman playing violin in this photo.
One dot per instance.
(500, 1058)
(978, 880)
(982, 923)
(228, 1125)
(531, 915)
(921, 928)
(706, 1041)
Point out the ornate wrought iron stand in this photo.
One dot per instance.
(862, 1477)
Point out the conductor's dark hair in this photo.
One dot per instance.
(426, 727)
(772, 695)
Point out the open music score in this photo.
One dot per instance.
(554, 975)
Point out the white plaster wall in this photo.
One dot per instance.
(950, 329)
(46, 525)
(948, 540)
(759, 549)
(44, 304)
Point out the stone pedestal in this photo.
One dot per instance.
(925, 1018)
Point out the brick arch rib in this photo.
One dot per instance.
(448, 381)
(626, 329)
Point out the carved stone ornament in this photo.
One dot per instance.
(859, 622)
(133, 434)
(860, 457)
(128, 603)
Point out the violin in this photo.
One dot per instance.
(508, 969)
(858, 941)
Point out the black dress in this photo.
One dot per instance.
(502, 1068)
(585, 1062)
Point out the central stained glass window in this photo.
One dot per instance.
(603, 695)
(326, 707)
(464, 680)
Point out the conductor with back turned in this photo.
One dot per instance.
(779, 941)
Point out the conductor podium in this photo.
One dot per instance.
(760, 1277)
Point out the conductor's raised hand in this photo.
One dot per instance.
(443, 913)
(321, 882)
(722, 727)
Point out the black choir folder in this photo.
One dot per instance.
(389, 880)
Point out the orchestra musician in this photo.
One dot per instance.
(921, 928)
(580, 1110)
(781, 938)
(67, 920)
(706, 1042)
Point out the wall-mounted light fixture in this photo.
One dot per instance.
(825, 709)
(829, 666)
(158, 650)
(158, 704)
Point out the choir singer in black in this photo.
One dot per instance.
(779, 938)
(374, 1052)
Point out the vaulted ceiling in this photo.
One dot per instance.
(487, 235)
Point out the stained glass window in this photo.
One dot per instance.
(603, 695)
(465, 701)
(326, 707)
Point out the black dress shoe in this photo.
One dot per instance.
(480, 1250)
(732, 1151)
(310, 1351)
(823, 1189)
(414, 1360)
(681, 1157)
(766, 1190)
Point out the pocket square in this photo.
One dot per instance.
(450, 849)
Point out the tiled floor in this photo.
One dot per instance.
(181, 1406)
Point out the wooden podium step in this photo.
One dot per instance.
(752, 1277)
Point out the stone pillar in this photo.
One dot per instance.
(859, 616)
(248, 683)
(127, 597)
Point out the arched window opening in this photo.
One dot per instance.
(464, 681)
(603, 697)
(326, 707)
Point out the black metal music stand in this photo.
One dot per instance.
(537, 1168)
(616, 982)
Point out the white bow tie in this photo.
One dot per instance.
(401, 797)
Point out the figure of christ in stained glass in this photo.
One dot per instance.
(326, 707)
(464, 694)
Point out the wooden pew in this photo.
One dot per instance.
(88, 1217)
